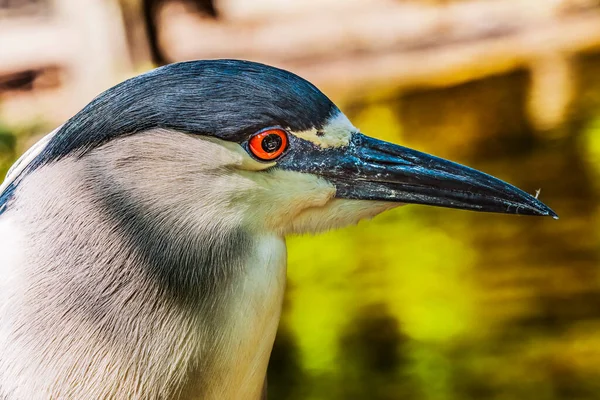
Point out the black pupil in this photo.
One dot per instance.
(271, 143)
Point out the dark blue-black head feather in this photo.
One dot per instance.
(228, 99)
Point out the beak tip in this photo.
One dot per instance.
(550, 213)
(545, 211)
(553, 215)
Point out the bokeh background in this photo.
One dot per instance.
(420, 303)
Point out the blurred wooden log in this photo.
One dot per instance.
(83, 39)
(364, 27)
(343, 46)
(387, 46)
(452, 63)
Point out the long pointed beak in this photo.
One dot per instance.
(372, 169)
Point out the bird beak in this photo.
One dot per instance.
(371, 169)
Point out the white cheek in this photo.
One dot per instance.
(338, 213)
(275, 199)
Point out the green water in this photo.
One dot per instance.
(436, 304)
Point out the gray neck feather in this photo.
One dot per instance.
(115, 277)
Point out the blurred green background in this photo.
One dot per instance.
(421, 303)
(426, 303)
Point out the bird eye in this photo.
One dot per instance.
(269, 144)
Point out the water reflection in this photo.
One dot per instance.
(427, 303)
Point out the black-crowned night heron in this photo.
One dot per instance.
(142, 242)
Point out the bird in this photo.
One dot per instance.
(143, 241)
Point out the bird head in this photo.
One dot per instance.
(263, 147)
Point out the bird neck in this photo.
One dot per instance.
(164, 301)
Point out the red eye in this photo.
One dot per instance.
(268, 145)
